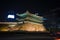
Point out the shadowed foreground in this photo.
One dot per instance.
(25, 36)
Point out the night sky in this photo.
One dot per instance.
(43, 7)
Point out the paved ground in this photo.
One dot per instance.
(25, 36)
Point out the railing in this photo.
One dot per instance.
(10, 22)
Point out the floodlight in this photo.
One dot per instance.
(11, 16)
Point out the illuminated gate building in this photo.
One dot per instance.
(28, 22)
(31, 22)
